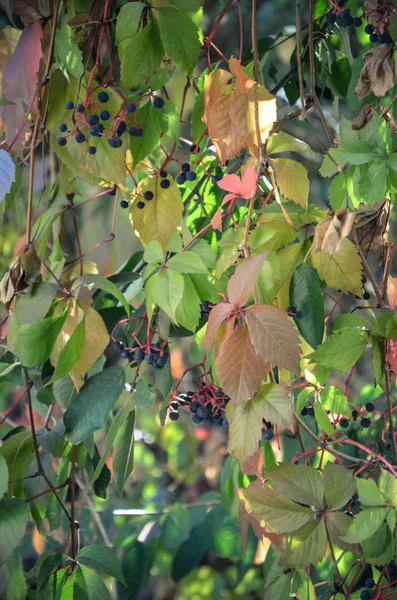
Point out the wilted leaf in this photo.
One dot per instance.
(330, 233)
(240, 370)
(161, 215)
(372, 223)
(274, 336)
(377, 75)
(22, 275)
(341, 271)
(242, 283)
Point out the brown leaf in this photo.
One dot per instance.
(330, 232)
(23, 273)
(19, 84)
(274, 336)
(253, 465)
(216, 111)
(217, 315)
(240, 370)
(377, 74)
(372, 223)
(374, 16)
(242, 282)
(363, 118)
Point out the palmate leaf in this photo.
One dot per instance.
(342, 270)
(305, 546)
(241, 284)
(341, 350)
(292, 180)
(298, 482)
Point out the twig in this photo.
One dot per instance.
(299, 58)
(368, 271)
(93, 511)
(389, 400)
(73, 525)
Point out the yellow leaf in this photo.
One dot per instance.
(267, 114)
(342, 270)
(292, 180)
(161, 216)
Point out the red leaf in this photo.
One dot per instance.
(240, 370)
(231, 183)
(20, 84)
(242, 282)
(392, 292)
(248, 182)
(274, 336)
(217, 315)
(391, 358)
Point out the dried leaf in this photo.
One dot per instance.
(240, 370)
(372, 223)
(377, 75)
(242, 282)
(274, 336)
(19, 84)
(217, 315)
(391, 358)
(330, 233)
(22, 275)
(363, 118)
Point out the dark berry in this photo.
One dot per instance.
(208, 422)
(62, 141)
(69, 105)
(91, 150)
(349, 513)
(130, 107)
(347, 21)
(366, 295)
(304, 411)
(191, 176)
(163, 174)
(140, 204)
(149, 358)
(217, 422)
(328, 95)
(365, 595)
(63, 127)
(193, 148)
(225, 423)
(291, 310)
(385, 38)
(93, 120)
(331, 18)
(310, 411)
(369, 29)
(365, 422)
(369, 583)
(344, 423)
(370, 406)
(165, 184)
(139, 355)
(205, 308)
(80, 108)
(357, 22)
(125, 354)
(112, 191)
(94, 130)
(158, 103)
(115, 142)
(354, 414)
(119, 346)
(174, 415)
(105, 115)
(181, 179)
(197, 420)
(80, 138)
(216, 178)
(299, 314)
(194, 406)
(318, 91)
(185, 168)
(124, 204)
(100, 127)
(148, 195)
(161, 361)
(122, 126)
(103, 97)
(267, 434)
(373, 38)
(363, 279)
(202, 412)
(174, 404)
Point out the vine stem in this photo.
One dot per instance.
(299, 58)
(73, 525)
(331, 548)
(389, 401)
(368, 271)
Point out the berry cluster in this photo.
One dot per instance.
(344, 19)
(376, 37)
(206, 405)
(292, 311)
(164, 184)
(326, 92)
(186, 174)
(155, 354)
(87, 124)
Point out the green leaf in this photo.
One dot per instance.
(102, 559)
(337, 191)
(144, 396)
(348, 321)
(176, 527)
(385, 325)
(88, 410)
(64, 391)
(123, 452)
(339, 485)
(35, 341)
(283, 142)
(168, 291)
(388, 486)
(305, 294)
(16, 589)
(368, 493)
(322, 418)
(335, 401)
(188, 311)
(354, 152)
(307, 545)
(135, 563)
(67, 52)
(94, 586)
(3, 476)
(187, 262)
(341, 350)
(372, 184)
(180, 38)
(141, 55)
(153, 122)
(160, 78)
(198, 126)
(292, 180)
(103, 284)
(14, 515)
(153, 253)
(70, 353)
(45, 566)
(341, 74)
(110, 437)
(365, 524)
(298, 482)
(17, 452)
(189, 554)
(128, 21)
(35, 307)
(205, 252)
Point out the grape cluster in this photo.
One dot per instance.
(155, 355)
(206, 406)
(376, 37)
(345, 19)
(87, 124)
(186, 174)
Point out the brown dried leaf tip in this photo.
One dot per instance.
(372, 223)
(377, 75)
(330, 232)
(19, 279)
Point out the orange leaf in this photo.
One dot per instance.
(392, 292)
(240, 370)
(274, 336)
(217, 315)
(242, 282)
